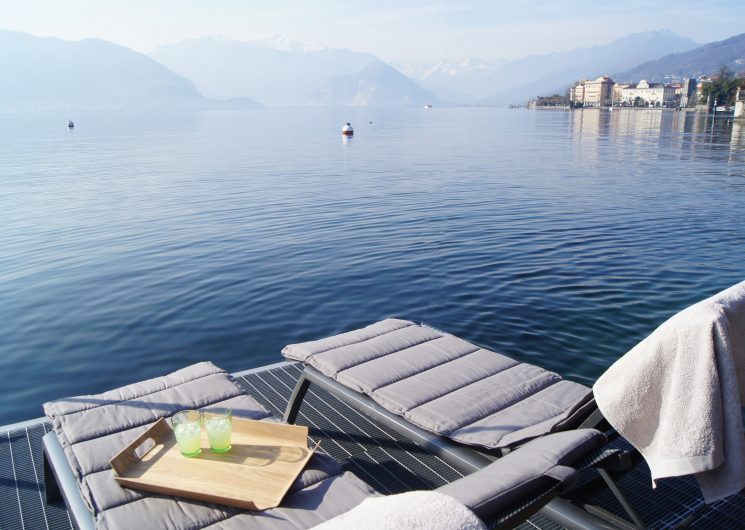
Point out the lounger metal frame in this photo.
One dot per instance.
(467, 458)
(60, 483)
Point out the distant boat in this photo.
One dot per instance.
(70, 124)
(347, 130)
(428, 106)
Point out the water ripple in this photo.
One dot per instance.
(134, 245)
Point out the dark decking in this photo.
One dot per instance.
(379, 456)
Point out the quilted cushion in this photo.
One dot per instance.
(444, 384)
(524, 472)
(92, 429)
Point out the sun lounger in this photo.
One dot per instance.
(89, 430)
(465, 403)
(445, 385)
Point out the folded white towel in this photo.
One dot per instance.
(415, 510)
(675, 396)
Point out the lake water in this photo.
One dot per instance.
(134, 245)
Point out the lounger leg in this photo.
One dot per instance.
(609, 518)
(51, 488)
(593, 420)
(637, 520)
(296, 399)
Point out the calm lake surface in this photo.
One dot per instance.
(134, 245)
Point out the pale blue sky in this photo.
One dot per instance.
(395, 31)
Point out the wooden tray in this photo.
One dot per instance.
(255, 474)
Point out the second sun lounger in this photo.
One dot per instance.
(465, 403)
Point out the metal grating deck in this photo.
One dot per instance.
(336, 424)
(376, 454)
(22, 505)
(384, 459)
(676, 502)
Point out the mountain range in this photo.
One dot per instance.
(217, 72)
(452, 81)
(91, 74)
(704, 60)
(546, 74)
(274, 75)
(503, 82)
(377, 85)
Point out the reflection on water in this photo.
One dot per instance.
(685, 128)
(737, 135)
(653, 133)
(138, 244)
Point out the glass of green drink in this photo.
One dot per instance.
(187, 425)
(218, 423)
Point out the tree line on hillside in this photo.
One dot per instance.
(722, 90)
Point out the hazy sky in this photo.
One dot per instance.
(396, 31)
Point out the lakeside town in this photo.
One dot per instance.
(721, 93)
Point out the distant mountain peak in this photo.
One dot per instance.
(649, 34)
(286, 44)
(274, 41)
(661, 31)
(474, 63)
(703, 60)
(546, 74)
(378, 84)
(52, 74)
(270, 68)
(446, 67)
(217, 38)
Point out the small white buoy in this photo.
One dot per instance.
(347, 130)
(70, 124)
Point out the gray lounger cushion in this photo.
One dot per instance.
(301, 510)
(92, 429)
(524, 472)
(446, 385)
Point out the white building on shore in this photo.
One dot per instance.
(604, 92)
(595, 93)
(648, 94)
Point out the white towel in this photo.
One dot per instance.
(415, 510)
(675, 396)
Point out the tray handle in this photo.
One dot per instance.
(127, 457)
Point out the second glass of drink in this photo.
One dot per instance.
(218, 424)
